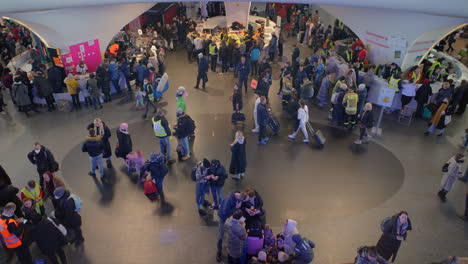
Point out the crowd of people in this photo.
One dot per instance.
(305, 80)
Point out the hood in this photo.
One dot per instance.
(290, 227)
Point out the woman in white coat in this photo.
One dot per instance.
(453, 166)
(303, 117)
(257, 102)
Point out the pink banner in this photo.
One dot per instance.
(88, 52)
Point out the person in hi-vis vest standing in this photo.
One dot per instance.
(11, 231)
(163, 132)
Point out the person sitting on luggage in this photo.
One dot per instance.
(303, 117)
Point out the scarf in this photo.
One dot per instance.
(436, 118)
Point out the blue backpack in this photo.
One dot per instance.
(77, 201)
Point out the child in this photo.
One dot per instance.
(134, 161)
(139, 97)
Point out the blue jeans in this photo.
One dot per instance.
(185, 145)
(159, 183)
(432, 128)
(97, 162)
(217, 193)
(200, 191)
(96, 101)
(165, 146)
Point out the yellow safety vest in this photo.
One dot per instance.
(351, 103)
(348, 56)
(393, 83)
(33, 195)
(159, 130)
(416, 77)
(212, 49)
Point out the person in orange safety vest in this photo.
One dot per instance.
(11, 231)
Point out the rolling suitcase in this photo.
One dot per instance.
(317, 135)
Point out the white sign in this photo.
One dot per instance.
(140, 32)
(386, 96)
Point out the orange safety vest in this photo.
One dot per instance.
(10, 240)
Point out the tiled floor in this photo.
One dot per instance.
(338, 195)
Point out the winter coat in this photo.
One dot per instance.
(362, 98)
(142, 72)
(104, 138)
(238, 158)
(93, 88)
(450, 177)
(388, 243)
(180, 103)
(43, 160)
(202, 66)
(47, 237)
(303, 252)
(289, 230)
(66, 211)
(72, 86)
(368, 79)
(262, 115)
(322, 95)
(237, 103)
(307, 90)
(273, 44)
(43, 86)
(243, 69)
(184, 126)
(362, 257)
(124, 144)
(254, 245)
(21, 95)
(156, 170)
(262, 88)
(423, 93)
(236, 238)
(93, 145)
(219, 171)
(55, 77)
(114, 71)
(49, 187)
(4, 178)
(254, 54)
(319, 73)
(367, 119)
(227, 207)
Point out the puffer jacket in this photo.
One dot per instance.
(236, 238)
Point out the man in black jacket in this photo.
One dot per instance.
(216, 179)
(93, 145)
(49, 240)
(202, 70)
(66, 212)
(44, 161)
(185, 127)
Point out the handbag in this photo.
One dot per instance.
(445, 167)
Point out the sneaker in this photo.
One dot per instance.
(358, 142)
(255, 130)
(261, 143)
(171, 161)
(219, 256)
(266, 139)
(186, 157)
(92, 174)
(441, 134)
(291, 137)
(235, 178)
(305, 141)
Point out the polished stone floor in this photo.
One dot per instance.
(338, 195)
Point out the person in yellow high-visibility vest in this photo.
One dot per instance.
(350, 101)
(395, 83)
(34, 192)
(213, 51)
(163, 132)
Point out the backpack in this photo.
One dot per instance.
(384, 223)
(194, 173)
(150, 187)
(191, 125)
(77, 201)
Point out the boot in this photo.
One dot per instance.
(109, 163)
(442, 195)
